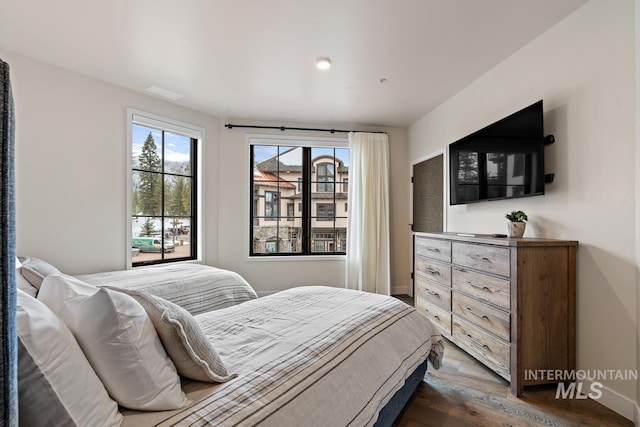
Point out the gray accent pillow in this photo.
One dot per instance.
(22, 283)
(35, 270)
(183, 339)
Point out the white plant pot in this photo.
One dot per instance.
(516, 229)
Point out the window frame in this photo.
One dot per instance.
(289, 141)
(197, 136)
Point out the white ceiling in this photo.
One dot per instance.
(256, 58)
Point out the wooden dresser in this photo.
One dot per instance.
(510, 303)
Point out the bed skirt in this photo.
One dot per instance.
(392, 409)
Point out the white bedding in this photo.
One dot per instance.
(312, 356)
(196, 288)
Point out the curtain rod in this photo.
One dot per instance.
(283, 128)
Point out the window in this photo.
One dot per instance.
(325, 177)
(164, 191)
(326, 211)
(271, 200)
(345, 185)
(270, 246)
(285, 175)
(290, 214)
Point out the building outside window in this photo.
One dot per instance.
(285, 175)
(163, 192)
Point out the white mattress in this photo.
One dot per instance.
(195, 287)
(313, 356)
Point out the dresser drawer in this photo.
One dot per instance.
(491, 259)
(433, 248)
(486, 288)
(439, 317)
(490, 350)
(490, 319)
(433, 270)
(433, 292)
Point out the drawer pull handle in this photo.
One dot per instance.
(434, 250)
(476, 314)
(432, 271)
(484, 288)
(436, 317)
(435, 294)
(480, 257)
(479, 343)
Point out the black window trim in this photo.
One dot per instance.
(307, 169)
(196, 136)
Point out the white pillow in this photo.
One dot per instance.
(191, 351)
(119, 341)
(55, 380)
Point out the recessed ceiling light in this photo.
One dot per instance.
(382, 80)
(323, 63)
(156, 90)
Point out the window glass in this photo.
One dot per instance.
(294, 194)
(163, 195)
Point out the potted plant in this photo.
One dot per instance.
(517, 223)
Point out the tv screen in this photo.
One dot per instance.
(501, 161)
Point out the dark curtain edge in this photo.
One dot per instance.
(8, 357)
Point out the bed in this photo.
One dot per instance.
(313, 355)
(195, 287)
(316, 356)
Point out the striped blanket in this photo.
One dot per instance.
(313, 356)
(196, 288)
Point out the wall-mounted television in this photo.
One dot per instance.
(501, 161)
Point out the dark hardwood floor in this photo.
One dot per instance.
(466, 393)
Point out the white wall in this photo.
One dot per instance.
(583, 69)
(71, 181)
(272, 275)
(71, 165)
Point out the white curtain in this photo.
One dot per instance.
(368, 223)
